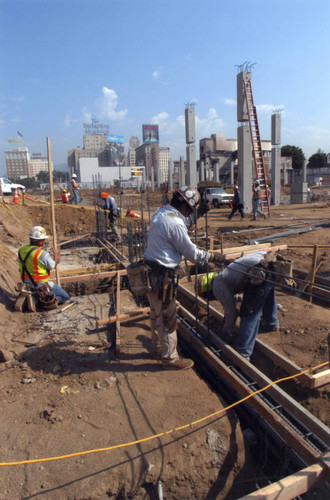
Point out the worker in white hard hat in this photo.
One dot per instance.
(35, 263)
(256, 201)
(168, 240)
(75, 189)
(237, 204)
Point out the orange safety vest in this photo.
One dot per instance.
(64, 197)
(37, 270)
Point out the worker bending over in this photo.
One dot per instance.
(251, 276)
(111, 206)
(168, 240)
(35, 263)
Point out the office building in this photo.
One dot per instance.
(17, 163)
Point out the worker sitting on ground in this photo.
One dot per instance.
(35, 264)
(65, 196)
(111, 206)
(248, 274)
(168, 240)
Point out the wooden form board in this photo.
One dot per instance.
(289, 435)
(118, 313)
(312, 381)
(292, 486)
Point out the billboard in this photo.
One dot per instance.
(115, 138)
(137, 171)
(150, 134)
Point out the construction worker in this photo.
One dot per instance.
(75, 189)
(65, 197)
(237, 204)
(247, 275)
(111, 206)
(256, 200)
(168, 240)
(35, 263)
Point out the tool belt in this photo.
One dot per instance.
(138, 275)
(164, 280)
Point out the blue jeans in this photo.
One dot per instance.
(265, 303)
(256, 209)
(61, 294)
(76, 196)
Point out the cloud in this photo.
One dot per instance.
(156, 73)
(206, 126)
(105, 107)
(229, 102)
(107, 104)
(269, 109)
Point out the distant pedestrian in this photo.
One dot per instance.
(237, 204)
(111, 206)
(75, 189)
(256, 201)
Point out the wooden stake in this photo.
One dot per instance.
(313, 270)
(52, 207)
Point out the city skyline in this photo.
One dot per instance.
(129, 63)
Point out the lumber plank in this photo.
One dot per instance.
(125, 316)
(92, 276)
(291, 486)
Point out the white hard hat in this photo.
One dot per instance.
(73, 175)
(236, 187)
(38, 233)
(190, 195)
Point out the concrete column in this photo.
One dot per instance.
(152, 173)
(182, 174)
(201, 171)
(216, 171)
(304, 171)
(191, 166)
(159, 179)
(276, 176)
(232, 173)
(245, 177)
(170, 175)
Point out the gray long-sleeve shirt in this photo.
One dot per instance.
(168, 239)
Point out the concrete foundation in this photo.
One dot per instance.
(299, 192)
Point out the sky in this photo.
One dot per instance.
(133, 62)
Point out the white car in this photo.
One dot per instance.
(8, 187)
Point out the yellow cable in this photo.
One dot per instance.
(166, 433)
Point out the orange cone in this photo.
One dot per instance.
(15, 199)
(130, 213)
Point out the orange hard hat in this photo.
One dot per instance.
(104, 195)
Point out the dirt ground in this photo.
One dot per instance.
(63, 390)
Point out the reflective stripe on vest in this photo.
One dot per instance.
(36, 269)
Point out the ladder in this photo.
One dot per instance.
(258, 157)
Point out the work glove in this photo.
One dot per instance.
(203, 208)
(269, 257)
(217, 258)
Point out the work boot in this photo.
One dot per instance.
(265, 216)
(31, 305)
(264, 327)
(178, 364)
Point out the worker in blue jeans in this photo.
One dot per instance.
(257, 299)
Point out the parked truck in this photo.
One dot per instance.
(8, 187)
(214, 193)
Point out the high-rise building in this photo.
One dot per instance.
(37, 164)
(17, 163)
(164, 158)
(148, 155)
(131, 158)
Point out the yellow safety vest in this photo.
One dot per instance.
(37, 270)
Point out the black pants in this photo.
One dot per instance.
(239, 208)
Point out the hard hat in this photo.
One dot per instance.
(256, 182)
(64, 190)
(73, 175)
(104, 195)
(38, 233)
(236, 187)
(190, 195)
